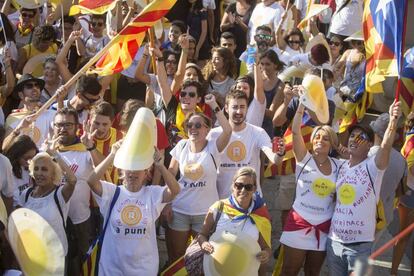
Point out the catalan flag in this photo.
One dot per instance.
(408, 150)
(406, 88)
(92, 6)
(383, 25)
(125, 45)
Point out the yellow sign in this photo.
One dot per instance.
(131, 215)
(347, 194)
(193, 171)
(236, 151)
(322, 187)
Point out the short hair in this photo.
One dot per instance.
(333, 137)
(88, 84)
(104, 109)
(66, 111)
(57, 171)
(69, 19)
(236, 94)
(167, 53)
(245, 171)
(228, 35)
(193, 83)
(180, 24)
(206, 119)
(44, 33)
(265, 28)
(249, 79)
(128, 111)
(21, 145)
(320, 54)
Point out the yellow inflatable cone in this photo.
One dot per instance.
(314, 9)
(315, 97)
(3, 213)
(36, 245)
(137, 150)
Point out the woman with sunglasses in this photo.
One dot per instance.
(337, 46)
(307, 225)
(244, 211)
(289, 42)
(197, 159)
(220, 71)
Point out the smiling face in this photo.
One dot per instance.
(171, 65)
(243, 86)
(335, 45)
(237, 110)
(294, 42)
(243, 189)
(321, 143)
(197, 129)
(133, 180)
(50, 72)
(31, 92)
(358, 143)
(189, 98)
(173, 34)
(43, 171)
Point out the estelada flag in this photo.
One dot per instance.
(125, 45)
(92, 6)
(383, 25)
(406, 89)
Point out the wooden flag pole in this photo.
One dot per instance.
(151, 34)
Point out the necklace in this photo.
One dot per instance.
(45, 193)
(320, 164)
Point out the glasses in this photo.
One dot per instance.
(337, 44)
(27, 15)
(294, 42)
(190, 94)
(91, 100)
(248, 187)
(31, 85)
(99, 24)
(263, 37)
(64, 125)
(197, 125)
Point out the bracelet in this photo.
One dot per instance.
(216, 110)
(91, 148)
(15, 133)
(160, 59)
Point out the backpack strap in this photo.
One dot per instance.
(303, 167)
(219, 212)
(370, 180)
(28, 193)
(55, 197)
(214, 161)
(114, 199)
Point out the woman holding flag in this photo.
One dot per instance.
(244, 211)
(307, 225)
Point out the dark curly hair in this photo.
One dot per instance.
(20, 146)
(43, 33)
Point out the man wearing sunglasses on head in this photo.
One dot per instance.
(28, 90)
(96, 39)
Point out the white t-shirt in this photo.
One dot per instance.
(198, 179)
(46, 207)
(255, 113)
(20, 184)
(40, 129)
(12, 50)
(6, 179)
(221, 87)
(130, 245)
(209, 4)
(348, 20)
(264, 15)
(354, 218)
(94, 44)
(243, 150)
(80, 163)
(314, 190)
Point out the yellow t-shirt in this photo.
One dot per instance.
(31, 51)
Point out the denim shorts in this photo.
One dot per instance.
(408, 199)
(183, 222)
(344, 258)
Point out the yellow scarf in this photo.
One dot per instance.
(180, 118)
(24, 32)
(74, 147)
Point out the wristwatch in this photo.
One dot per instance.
(159, 59)
(217, 109)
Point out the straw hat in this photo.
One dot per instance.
(355, 36)
(314, 9)
(233, 255)
(36, 245)
(30, 4)
(137, 150)
(315, 97)
(319, 39)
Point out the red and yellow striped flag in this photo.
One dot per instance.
(289, 164)
(355, 112)
(92, 6)
(126, 44)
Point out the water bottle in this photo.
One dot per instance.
(251, 51)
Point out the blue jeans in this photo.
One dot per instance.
(342, 257)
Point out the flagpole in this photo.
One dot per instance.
(397, 93)
(151, 34)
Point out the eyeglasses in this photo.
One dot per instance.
(190, 94)
(91, 100)
(28, 15)
(337, 44)
(248, 187)
(99, 24)
(31, 85)
(64, 125)
(294, 41)
(263, 37)
(197, 125)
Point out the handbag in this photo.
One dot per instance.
(90, 265)
(193, 257)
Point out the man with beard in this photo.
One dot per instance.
(263, 40)
(245, 144)
(78, 158)
(28, 89)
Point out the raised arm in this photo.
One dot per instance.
(275, 157)
(173, 188)
(10, 79)
(202, 38)
(259, 94)
(61, 57)
(383, 155)
(279, 119)
(299, 147)
(166, 93)
(179, 75)
(140, 72)
(94, 179)
(280, 42)
(224, 137)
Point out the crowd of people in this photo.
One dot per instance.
(224, 81)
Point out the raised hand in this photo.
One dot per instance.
(88, 135)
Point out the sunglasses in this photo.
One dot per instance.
(64, 125)
(197, 125)
(190, 94)
(91, 100)
(263, 37)
(31, 85)
(99, 24)
(27, 15)
(337, 44)
(248, 187)
(294, 42)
